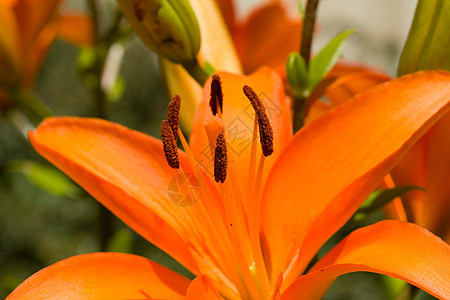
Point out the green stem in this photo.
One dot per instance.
(308, 30)
(299, 113)
(106, 218)
(30, 105)
(196, 72)
(305, 50)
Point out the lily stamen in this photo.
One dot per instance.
(220, 159)
(265, 128)
(216, 100)
(170, 145)
(173, 114)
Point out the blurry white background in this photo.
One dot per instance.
(382, 27)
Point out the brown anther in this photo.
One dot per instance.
(173, 115)
(170, 145)
(265, 128)
(216, 94)
(265, 132)
(254, 99)
(220, 159)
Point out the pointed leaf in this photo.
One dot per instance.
(323, 62)
(381, 198)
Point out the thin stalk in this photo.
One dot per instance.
(30, 105)
(308, 30)
(196, 72)
(106, 218)
(305, 50)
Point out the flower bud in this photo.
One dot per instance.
(168, 27)
(427, 46)
(297, 75)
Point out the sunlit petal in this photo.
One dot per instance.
(202, 288)
(398, 249)
(267, 37)
(125, 170)
(103, 276)
(334, 163)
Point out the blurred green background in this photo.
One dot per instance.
(39, 226)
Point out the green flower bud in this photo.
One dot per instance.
(168, 27)
(297, 75)
(427, 46)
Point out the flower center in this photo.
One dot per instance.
(238, 246)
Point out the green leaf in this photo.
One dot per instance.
(428, 43)
(394, 287)
(45, 177)
(121, 241)
(323, 62)
(297, 74)
(380, 198)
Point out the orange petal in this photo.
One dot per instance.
(333, 164)
(427, 164)
(202, 288)
(226, 7)
(398, 249)
(217, 47)
(348, 86)
(33, 16)
(267, 37)
(317, 109)
(238, 118)
(76, 29)
(10, 50)
(343, 82)
(103, 276)
(127, 172)
(123, 169)
(33, 59)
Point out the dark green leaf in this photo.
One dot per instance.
(380, 198)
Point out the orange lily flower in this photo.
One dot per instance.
(27, 29)
(252, 236)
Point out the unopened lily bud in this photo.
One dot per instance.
(297, 75)
(168, 27)
(427, 46)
